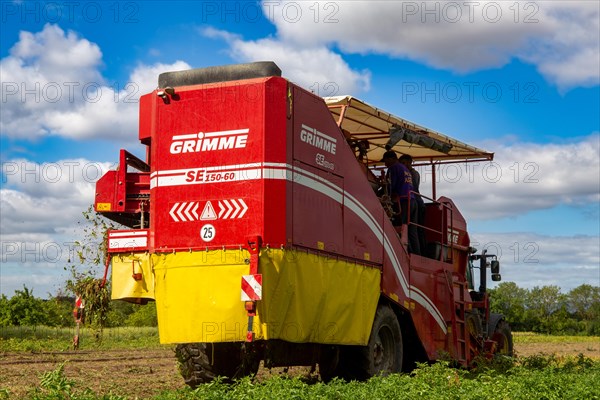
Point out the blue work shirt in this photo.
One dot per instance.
(401, 181)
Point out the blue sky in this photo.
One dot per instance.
(520, 79)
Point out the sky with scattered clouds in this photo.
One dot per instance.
(520, 78)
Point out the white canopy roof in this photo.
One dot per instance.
(361, 121)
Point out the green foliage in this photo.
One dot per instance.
(96, 299)
(91, 254)
(546, 310)
(59, 311)
(584, 300)
(118, 313)
(143, 315)
(92, 251)
(538, 377)
(509, 300)
(122, 313)
(544, 303)
(55, 381)
(54, 385)
(574, 379)
(22, 309)
(530, 337)
(21, 338)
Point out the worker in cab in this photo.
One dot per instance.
(407, 161)
(400, 190)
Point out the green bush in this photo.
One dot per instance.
(546, 310)
(24, 309)
(144, 315)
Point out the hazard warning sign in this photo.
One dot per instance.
(252, 287)
(208, 213)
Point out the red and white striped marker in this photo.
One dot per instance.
(252, 287)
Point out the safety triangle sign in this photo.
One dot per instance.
(208, 213)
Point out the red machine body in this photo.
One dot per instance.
(263, 162)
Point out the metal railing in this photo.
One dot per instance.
(446, 211)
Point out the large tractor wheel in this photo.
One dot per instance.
(383, 354)
(474, 323)
(202, 362)
(330, 364)
(502, 335)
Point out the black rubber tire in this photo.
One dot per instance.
(340, 362)
(202, 362)
(474, 323)
(502, 335)
(384, 352)
(329, 363)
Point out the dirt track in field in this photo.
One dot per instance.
(146, 373)
(134, 373)
(588, 349)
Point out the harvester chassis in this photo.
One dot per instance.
(253, 184)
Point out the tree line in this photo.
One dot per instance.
(24, 309)
(547, 310)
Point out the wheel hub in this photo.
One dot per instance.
(383, 354)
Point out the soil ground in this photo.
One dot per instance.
(146, 373)
(566, 348)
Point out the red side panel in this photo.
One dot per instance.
(123, 193)
(318, 181)
(147, 124)
(335, 208)
(106, 192)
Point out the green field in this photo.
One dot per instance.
(18, 338)
(530, 337)
(533, 377)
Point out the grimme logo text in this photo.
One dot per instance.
(318, 139)
(196, 142)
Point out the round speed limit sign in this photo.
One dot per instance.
(208, 232)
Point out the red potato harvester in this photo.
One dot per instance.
(260, 227)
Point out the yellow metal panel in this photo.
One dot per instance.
(124, 286)
(306, 297)
(199, 296)
(312, 298)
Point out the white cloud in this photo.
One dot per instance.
(531, 259)
(523, 177)
(556, 36)
(61, 54)
(42, 205)
(567, 52)
(52, 85)
(46, 198)
(40, 281)
(145, 77)
(315, 68)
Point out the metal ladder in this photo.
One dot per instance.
(460, 333)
